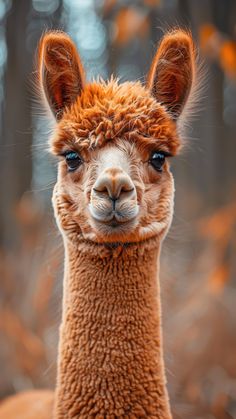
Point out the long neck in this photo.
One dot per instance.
(110, 351)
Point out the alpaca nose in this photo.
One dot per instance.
(115, 184)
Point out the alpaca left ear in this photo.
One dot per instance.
(173, 71)
(61, 74)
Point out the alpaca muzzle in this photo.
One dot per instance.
(114, 197)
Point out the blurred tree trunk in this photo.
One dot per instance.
(24, 27)
(15, 160)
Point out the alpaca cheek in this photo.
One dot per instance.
(159, 209)
(166, 200)
(62, 211)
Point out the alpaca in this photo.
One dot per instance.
(113, 203)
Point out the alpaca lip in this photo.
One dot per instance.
(113, 217)
(114, 222)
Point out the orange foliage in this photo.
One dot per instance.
(220, 224)
(27, 347)
(207, 32)
(152, 3)
(215, 45)
(109, 5)
(218, 279)
(228, 58)
(130, 22)
(43, 293)
(219, 230)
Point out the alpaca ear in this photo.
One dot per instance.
(173, 70)
(61, 73)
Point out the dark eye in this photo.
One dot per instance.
(73, 160)
(157, 160)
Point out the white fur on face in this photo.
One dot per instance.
(113, 197)
(113, 157)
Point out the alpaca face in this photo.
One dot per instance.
(117, 180)
(114, 142)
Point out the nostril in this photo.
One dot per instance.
(101, 190)
(126, 190)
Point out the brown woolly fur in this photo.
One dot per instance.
(113, 313)
(113, 203)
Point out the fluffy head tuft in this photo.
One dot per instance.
(107, 111)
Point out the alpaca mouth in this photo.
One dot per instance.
(118, 226)
(113, 217)
(114, 222)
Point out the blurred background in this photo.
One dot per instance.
(199, 257)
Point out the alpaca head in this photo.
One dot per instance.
(114, 141)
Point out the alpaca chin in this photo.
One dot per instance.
(114, 231)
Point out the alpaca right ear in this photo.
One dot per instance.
(173, 71)
(61, 73)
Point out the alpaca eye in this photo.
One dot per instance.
(73, 160)
(157, 160)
